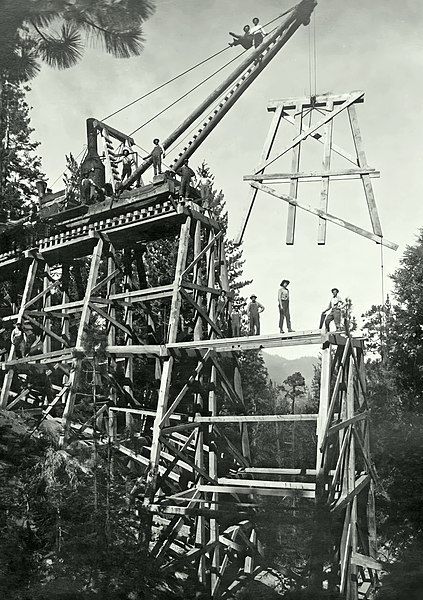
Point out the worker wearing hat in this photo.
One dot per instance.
(254, 309)
(127, 163)
(333, 312)
(235, 316)
(157, 154)
(283, 304)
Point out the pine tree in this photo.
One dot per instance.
(21, 167)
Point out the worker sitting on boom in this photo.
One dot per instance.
(257, 32)
(245, 40)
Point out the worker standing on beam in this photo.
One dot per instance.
(254, 309)
(283, 303)
(127, 163)
(187, 175)
(157, 154)
(333, 312)
(257, 32)
(235, 320)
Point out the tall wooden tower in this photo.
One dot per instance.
(188, 423)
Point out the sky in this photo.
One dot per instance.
(371, 46)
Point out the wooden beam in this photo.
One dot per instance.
(365, 561)
(202, 253)
(345, 499)
(347, 422)
(362, 161)
(319, 101)
(201, 312)
(255, 418)
(320, 213)
(324, 194)
(293, 188)
(261, 491)
(314, 175)
(267, 148)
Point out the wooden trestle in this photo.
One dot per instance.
(92, 275)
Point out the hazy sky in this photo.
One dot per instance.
(374, 46)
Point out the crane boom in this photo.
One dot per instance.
(240, 79)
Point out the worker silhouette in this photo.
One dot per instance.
(187, 175)
(127, 163)
(245, 39)
(157, 154)
(254, 309)
(283, 303)
(333, 312)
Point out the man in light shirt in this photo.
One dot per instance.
(333, 312)
(283, 303)
(254, 309)
(257, 32)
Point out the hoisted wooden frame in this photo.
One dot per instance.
(328, 108)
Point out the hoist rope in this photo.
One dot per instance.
(199, 64)
(186, 94)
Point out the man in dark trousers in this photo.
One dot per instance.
(127, 163)
(187, 174)
(254, 309)
(283, 303)
(333, 312)
(245, 40)
(257, 32)
(157, 154)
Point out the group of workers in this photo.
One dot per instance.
(187, 175)
(252, 36)
(332, 313)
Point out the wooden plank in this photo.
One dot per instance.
(365, 561)
(360, 484)
(314, 175)
(254, 483)
(293, 188)
(145, 295)
(151, 481)
(353, 97)
(324, 194)
(255, 418)
(200, 288)
(267, 148)
(343, 424)
(201, 312)
(203, 252)
(362, 161)
(319, 101)
(92, 276)
(135, 349)
(336, 220)
(46, 330)
(263, 491)
(275, 340)
(180, 265)
(185, 389)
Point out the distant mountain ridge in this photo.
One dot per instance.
(279, 368)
